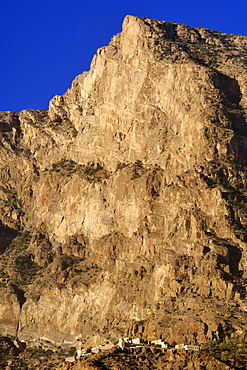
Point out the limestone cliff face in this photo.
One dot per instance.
(123, 207)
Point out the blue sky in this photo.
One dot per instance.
(46, 43)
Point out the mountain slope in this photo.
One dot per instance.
(123, 207)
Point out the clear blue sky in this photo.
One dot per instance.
(46, 43)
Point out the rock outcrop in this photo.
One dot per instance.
(123, 207)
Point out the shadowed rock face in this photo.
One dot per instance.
(129, 194)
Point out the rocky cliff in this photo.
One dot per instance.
(123, 207)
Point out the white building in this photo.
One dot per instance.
(179, 346)
(121, 343)
(137, 341)
(159, 342)
(187, 347)
(191, 348)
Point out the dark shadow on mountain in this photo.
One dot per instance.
(7, 234)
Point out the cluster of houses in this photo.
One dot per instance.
(139, 342)
(125, 343)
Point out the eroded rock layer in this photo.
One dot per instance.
(123, 207)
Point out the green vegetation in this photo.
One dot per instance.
(138, 169)
(65, 126)
(92, 172)
(25, 358)
(232, 352)
(21, 242)
(16, 263)
(228, 177)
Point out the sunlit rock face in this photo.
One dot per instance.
(123, 207)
